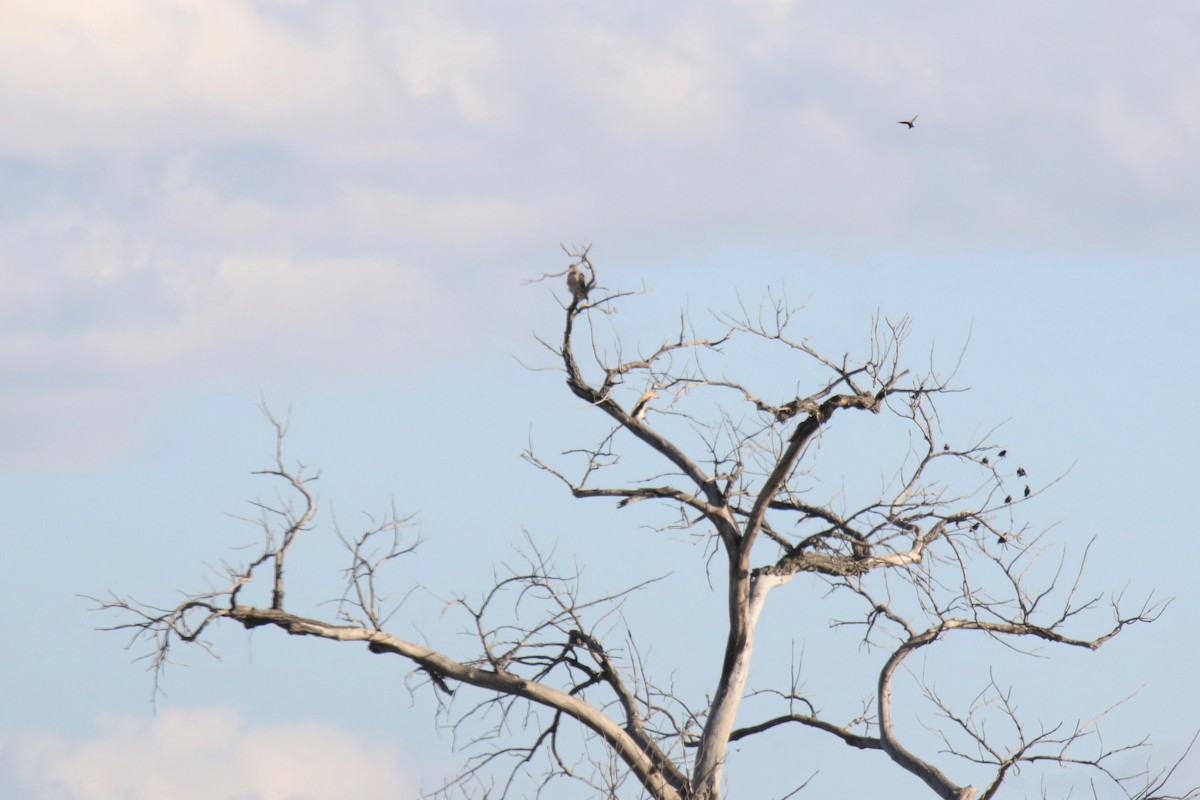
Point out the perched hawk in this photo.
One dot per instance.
(577, 283)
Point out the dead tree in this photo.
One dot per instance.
(935, 553)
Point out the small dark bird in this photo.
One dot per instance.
(909, 122)
(1002, 454)
(945, 448)
(975, 527)
(1020, 472)
(985, 460)
(1008, 499)
(1001, 540)
(1027, 491)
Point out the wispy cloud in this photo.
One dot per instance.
(209, 754)
(195, 191)
(94, 348)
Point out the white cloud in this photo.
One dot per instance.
(439, 85)
(670, 84)
(121, 302)
(223, 189)
(100, 325)
(126, 74)
(437, 52)
(1152, 140)
(130, 75)
(201, 755)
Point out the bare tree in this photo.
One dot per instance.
(933, 554)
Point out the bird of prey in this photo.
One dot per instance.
(909, 122)
(1020, 472)
(577, 283)
(639, 408)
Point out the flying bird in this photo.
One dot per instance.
(909, 122)
(577, 283)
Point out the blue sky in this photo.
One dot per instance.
(335, 207)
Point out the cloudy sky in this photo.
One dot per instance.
(336, 206)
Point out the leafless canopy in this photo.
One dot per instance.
(559, 692)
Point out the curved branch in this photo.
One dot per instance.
(656, 774)
(933, 777)
(849, 737)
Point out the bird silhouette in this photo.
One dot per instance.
(1027, 491)
(1020, 472)
(1002, 454)
(1008, 499)
(985, 460)
(909, 122)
